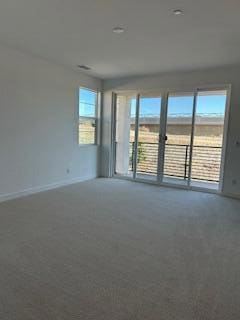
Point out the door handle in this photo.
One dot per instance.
(161, 137)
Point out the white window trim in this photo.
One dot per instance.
(95, 118)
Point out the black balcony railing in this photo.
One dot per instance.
(206, 160)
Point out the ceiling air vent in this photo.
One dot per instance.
(83, 67)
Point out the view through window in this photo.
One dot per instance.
(87, 116)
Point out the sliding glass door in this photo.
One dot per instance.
(179, 124)
(148, 136)
(174, 138)
(208, 138)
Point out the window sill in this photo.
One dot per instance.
(88, 145)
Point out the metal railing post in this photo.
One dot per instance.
(185, 162)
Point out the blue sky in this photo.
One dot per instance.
(206, 104)
(87, 101)
(213, 104)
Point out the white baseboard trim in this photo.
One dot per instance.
(55, 185)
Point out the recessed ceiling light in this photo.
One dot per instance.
(83, 67)
(118, 30)
(177, 12)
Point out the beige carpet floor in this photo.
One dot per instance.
(109, 249)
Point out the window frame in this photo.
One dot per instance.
(94, 118)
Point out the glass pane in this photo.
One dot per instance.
(148, 137)
(87, 110)
(87, 103)
(125, 134)
(87, 128)
(178, 132)
(208, 137)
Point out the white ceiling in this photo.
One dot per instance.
(72, 32)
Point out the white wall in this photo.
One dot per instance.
(38, 125)
(185, 80)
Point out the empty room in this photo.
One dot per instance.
(119, 160)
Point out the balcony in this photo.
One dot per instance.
(206, 161)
